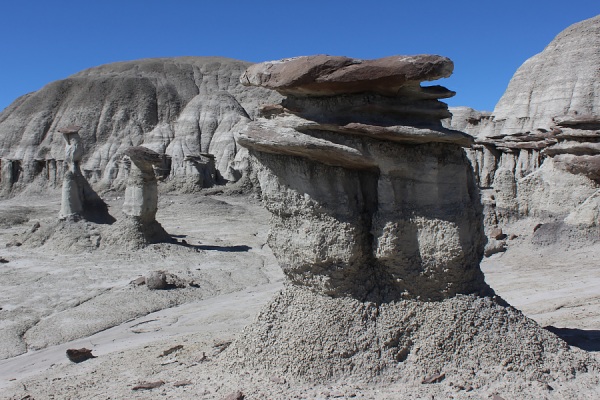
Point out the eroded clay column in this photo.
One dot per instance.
(72, 191)
(141, 194)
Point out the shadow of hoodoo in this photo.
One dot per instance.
(377, 225)
(588, 340)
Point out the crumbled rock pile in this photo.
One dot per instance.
(377, 225)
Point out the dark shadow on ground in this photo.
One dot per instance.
(227, 249)
(588, 340)
(178, 236)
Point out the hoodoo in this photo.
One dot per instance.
(370, 195)
(377, 224)
(79, 200)
(141, 197)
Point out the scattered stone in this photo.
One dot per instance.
(494, 246)
(138, 281)
(496, 397)
(171, 350)
(148, 385)
(277, 379)
(35, 227)
(495, 233)
(182, 383)
(436, 378)
(235, 396)
(222, 345)
(14, 243)
(162, 280)
(79, 355)
(3, 260)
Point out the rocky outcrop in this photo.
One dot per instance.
(540, 148)
(184, 108)
(378, 227)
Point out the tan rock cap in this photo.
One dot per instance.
(324, 75)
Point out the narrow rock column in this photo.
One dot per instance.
(72, 192)
(141, 194)
(141, 200)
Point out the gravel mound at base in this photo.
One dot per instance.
(473, 341)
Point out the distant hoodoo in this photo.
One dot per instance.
(141, 196)
(79, 200)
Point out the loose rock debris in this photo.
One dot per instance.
(148, 385)
(434, 378)
(79, 355)
(171, 350)
(235, 396)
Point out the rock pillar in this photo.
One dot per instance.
(72, 192)
(371, 197)
(79, 200)
(141, 195)
(377, 224)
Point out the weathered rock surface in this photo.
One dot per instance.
(183, 107)
(378, 227)
(540, 147)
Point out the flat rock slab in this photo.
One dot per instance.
(323, 75)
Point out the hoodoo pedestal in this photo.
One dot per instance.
(141, 196)
(79, 200)
(377, 224)
(72, 192)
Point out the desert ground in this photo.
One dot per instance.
(54, 298)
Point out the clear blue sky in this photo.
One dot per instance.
(47, 40)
